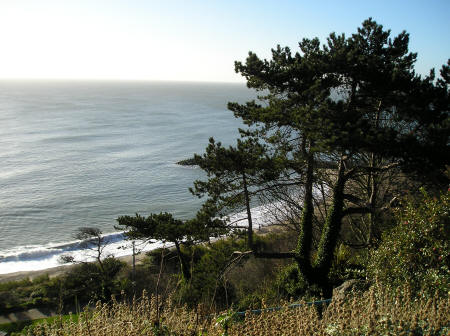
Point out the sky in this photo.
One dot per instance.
(192, 40)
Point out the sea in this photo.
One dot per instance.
(82, 153)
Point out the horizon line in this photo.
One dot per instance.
(56, 79)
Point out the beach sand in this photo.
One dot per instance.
(60, 270)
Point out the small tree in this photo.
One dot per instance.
(91, 239)
(94, 239)
(97, 279)
(233, 173)
(164, 227)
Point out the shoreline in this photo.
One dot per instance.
(60, 270)
(261, 220)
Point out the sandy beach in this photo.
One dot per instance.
(60, 270)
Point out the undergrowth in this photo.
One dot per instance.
(375, 312)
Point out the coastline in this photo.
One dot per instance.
(261, 218)
(60, 270)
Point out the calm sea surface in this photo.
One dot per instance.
(78, 154)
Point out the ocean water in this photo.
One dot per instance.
(76, 154)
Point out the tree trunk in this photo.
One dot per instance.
(185, 271)
(330, 233)
(303, 250)
(373, 184)
(249, 214)
(99, 255)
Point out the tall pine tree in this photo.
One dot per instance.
(351, 110)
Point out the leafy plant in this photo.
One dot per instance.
(226, 320)
(417, 250)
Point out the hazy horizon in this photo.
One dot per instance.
(197, 41)
(193, 81)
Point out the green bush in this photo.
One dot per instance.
(290, 283)
(208, 263)
(87, 282)
(417, 250)
(23, 294)
(348, 264)
(83, 283)
(213, 278)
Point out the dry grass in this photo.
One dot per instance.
(372, 313)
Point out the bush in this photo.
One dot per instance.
(290, 283)
(348, 264)
(23, 294)
(417, 250)
(208, 263)
(87, 282)
(82, 283)
(218, 281)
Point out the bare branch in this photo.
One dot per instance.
(357, 210)
(352, 198)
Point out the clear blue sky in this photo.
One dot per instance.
(192, 40)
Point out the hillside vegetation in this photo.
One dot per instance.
(372, 313)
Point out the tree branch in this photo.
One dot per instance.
(379, 169)
(267, 255)
(356, 210)
(352, 198)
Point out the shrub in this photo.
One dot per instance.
(290, 283)
(348, 264)
(417, 250)
(207, 283)
(87, 282)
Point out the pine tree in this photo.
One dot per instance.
(232, 172)
(164, 227)
(354, 107)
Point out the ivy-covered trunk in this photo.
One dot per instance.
(330, 233)
(317, 272)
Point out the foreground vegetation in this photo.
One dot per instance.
(375, 312)
(21, 327)
(69, 292)
(212, 283)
